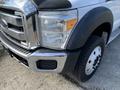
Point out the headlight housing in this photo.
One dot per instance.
(56, 27)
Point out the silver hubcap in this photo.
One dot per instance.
(93, 60)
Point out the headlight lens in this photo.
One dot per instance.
(56, 27)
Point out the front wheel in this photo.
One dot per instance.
(90, 58)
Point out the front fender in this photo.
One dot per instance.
(87, 25)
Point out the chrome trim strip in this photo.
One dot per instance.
(13, 47)
(17, 43)
(12, 19)
(15, 34)
(31, 33)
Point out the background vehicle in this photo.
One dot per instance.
(66, 36)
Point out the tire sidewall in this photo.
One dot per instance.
(91, 44)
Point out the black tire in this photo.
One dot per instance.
(90, 45)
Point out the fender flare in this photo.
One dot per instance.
(87, 25)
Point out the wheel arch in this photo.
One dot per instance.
(87, 26)
(103, 28)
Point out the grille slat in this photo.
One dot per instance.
(5, 40)
(15, 34)
(15, 20)
(15, 27)
(5, 10)
(14, 40)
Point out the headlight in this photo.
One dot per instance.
(56, 27)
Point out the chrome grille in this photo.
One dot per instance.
(17, 23)
(12, 27)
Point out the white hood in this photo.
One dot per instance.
(82, 3)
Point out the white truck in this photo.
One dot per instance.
(62, 36)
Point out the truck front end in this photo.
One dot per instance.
(37, 33)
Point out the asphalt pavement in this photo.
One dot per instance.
(107, 76)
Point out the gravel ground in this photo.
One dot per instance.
(14, 76)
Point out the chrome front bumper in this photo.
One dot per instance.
(33, 56)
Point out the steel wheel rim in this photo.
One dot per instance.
(93, 60)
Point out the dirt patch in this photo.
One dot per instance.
(14, 76)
